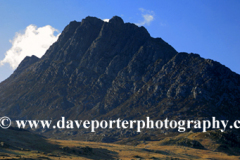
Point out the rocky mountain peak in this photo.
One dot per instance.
(98, 70)
(26, 62)
(116, 20)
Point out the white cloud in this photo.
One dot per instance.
(106, 20)
(148, 17)
(34, 41)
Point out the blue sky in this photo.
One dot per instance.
(210, 28)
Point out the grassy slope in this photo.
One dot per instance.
(23, 144)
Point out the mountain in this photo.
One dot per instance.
(109, 70)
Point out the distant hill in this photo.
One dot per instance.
(106, 70)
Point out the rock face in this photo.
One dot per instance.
(114, 69)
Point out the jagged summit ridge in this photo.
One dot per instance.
(89, 33)
(116, 20)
